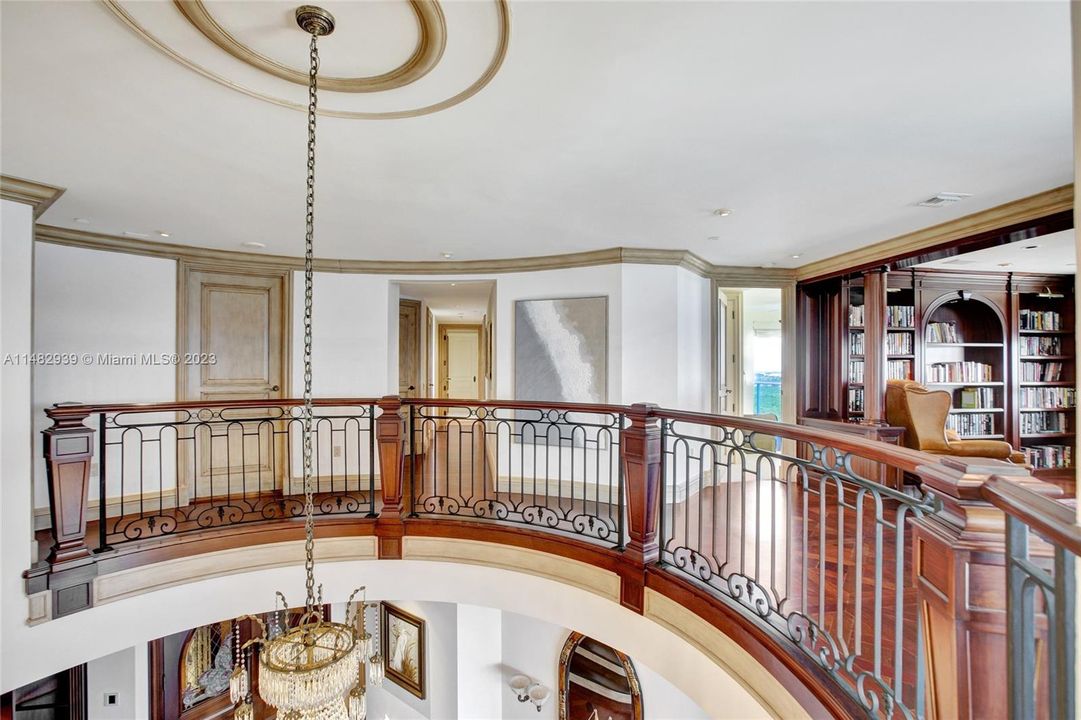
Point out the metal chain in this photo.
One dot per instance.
(309, 504)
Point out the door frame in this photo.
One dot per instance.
(442, 358)
(417, 383)
(183, 283)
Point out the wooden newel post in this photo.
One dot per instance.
(390, 436)
(959, 558)
(640, 449)
(68, 450)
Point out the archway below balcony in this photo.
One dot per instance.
(706, 665)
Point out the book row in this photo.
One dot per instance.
(899, 369)
(977, 398)
(1041, 371)
(1043, 457)
(899, 343)
(1036, 423)
(943, 332)
(1040, 320)
(1040, 345)
(971, 424)
(951, 372)
(900, 316)
(1048, 397)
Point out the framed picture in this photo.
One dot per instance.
(561, 350)
(402, 636)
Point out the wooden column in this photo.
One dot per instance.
(959, 557)
(68, 449)
(874, 339)
(390, 437)
(640, 448)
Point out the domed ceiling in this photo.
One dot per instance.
(493, 129)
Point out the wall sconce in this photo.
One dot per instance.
(527, 689)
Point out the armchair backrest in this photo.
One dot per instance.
(921, 412)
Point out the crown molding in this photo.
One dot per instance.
(39, 195)
(1011, 213)
(723, 274)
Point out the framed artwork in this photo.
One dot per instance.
(561, 350)
(402, 637)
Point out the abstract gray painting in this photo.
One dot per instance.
(561, 350)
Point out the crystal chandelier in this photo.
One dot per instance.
(315, 669)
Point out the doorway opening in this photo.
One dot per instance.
(445, 339)
(749, 352)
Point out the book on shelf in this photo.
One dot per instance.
(953, 372)
(1049, 457)
(1040, 320)
(855, 315)
(1040, 345)
(855, 343)
(855, 400)
(855, 371)
(977, 398)
(899, 369)
(900, 316)
(942, 332)
(1047, 397)
(899, 343)
(1037, 423)
(1041, 371)
(971, 424)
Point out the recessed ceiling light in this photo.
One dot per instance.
(82, 221)
(795, 257)
(254, 244)
(713, 238)
(1031, 247)
(723, 212)
(132, 233)
(943, 198)
(447, 256)
(162, 234)
(1005, 264)
(454, 284)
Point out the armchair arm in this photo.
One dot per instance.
(995, 449)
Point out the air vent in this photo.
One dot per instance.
(943, 199)
(958, 261)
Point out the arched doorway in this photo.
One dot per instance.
(597, 681)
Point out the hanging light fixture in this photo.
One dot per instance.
(314, 670)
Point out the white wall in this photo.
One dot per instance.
(91, 302)
(16, 425)
(123, 673)
(350, 338)
(531, 647)
(480, 658)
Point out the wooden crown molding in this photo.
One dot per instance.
(1011, 213)
(724, 274)
(39, 195)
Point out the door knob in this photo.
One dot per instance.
(412, 387)
(275, 389)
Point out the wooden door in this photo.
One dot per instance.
(408, 348)
(237, 325)
(460, 361)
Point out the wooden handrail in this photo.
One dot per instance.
(63, 410)
(1054, 521)
(900, 457)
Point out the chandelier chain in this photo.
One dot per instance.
(309, 219)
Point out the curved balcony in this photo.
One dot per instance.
(847, 568)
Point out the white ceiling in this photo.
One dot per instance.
(451, 301)
(1054, 254)
(609, 124)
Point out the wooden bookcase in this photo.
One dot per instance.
(977, 336)
(1045, 368)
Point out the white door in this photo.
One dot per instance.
(462, 357)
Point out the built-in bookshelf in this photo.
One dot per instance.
(1046, 394)
(964, 353)
(900, 333)
(856, 352)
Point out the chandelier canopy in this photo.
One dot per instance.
(313, 670)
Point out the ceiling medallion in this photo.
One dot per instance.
(433, 31)
(431, 42)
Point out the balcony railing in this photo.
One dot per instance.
(801, 541)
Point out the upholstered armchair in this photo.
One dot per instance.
(922, 413)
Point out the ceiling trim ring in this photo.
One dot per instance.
(431, 42)
(496, 62)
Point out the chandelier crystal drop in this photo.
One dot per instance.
(313, 669)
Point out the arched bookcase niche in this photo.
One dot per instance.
(597, 680)
(965, 354)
